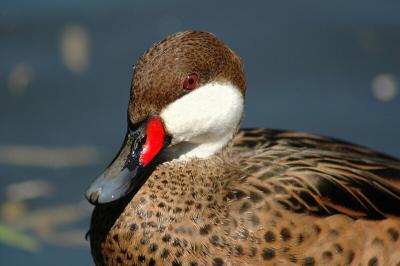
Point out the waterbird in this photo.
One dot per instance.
(189, 187)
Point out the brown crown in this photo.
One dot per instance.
(159, 73)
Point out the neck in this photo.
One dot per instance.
(189, 150)
(203, 176)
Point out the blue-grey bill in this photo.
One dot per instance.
(105, 189)
(116, 181)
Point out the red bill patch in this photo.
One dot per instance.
(154, 140)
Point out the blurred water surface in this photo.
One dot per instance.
(331, 68)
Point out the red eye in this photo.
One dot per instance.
(191, 82)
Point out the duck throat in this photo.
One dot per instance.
(186, 151)
(203, 121)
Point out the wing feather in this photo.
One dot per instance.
(320, 175)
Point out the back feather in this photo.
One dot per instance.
(320, 175)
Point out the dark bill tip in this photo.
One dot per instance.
(143, 142)
(108, 188)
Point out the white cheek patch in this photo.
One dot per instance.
(205, 119)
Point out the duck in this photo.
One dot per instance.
(189, 187)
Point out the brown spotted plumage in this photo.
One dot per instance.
(268, 198)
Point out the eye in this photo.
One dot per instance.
(191, 82)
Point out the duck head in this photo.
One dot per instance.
(186, 101)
